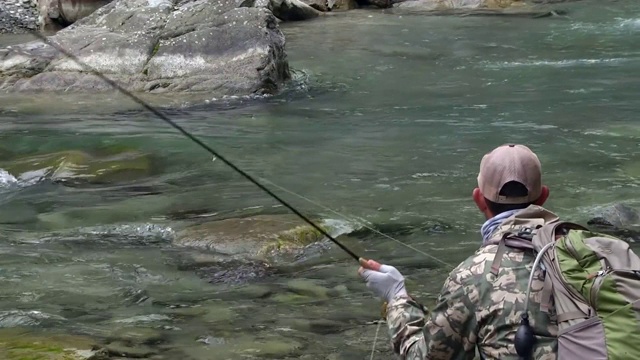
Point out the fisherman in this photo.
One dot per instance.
(479, 306)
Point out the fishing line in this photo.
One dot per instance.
(375, 341)
(361, 223)
(215, 154)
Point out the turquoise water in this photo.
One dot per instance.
(387, 121)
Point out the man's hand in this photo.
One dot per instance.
(385, 281)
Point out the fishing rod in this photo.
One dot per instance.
(217, 155)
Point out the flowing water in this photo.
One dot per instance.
(387, 121)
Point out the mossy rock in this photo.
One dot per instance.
(292, 240)
(80, 166)
(256, 236)
(21, 345)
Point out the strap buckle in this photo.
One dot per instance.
(526, 232)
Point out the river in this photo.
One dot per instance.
(386, 121)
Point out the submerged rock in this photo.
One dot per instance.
(246, 249)
(234, 271)
(20, 345)
(124, 350)
(237, 346)
(251, 237)
(20, 318)
(210, 46)
(308, 288)
(78, 166)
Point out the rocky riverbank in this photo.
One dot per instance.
(213, 47)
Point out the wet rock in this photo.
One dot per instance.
(342, 4)
(247, 249)
(21, 318)
(615, 216)
(120, 349)
(57, 14)
(308, 288)
(143, 319)
(77, 167)
(331, 5)
(137, 335)
(320, 5)
(272, 348)
(293, 10)
(220, 269)
(618, 220)
(235, 272)
(382, 4)
(254, 291)
(252, 237)
(317, 326)
(21, 345)
(210, 46)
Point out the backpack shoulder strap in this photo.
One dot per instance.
(528, 238)
(509, 239)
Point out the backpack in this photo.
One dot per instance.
(594, 280)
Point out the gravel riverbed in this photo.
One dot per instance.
(18, 16)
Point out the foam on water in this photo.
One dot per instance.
(559, 63)
(607, 27)
(629, 23)
(6, 179)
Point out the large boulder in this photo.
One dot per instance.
(619, 220)
(237, 250)
(254, 237)
(210, 46)
(54, 15)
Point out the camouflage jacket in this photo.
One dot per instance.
(476, 310)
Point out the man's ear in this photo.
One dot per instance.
(478, 198)
(544, 195)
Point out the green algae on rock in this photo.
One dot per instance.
(251, 237)
(18, 344)
(293, 239)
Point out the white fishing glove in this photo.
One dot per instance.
(385, 281)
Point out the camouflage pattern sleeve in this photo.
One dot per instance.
(448, 332)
